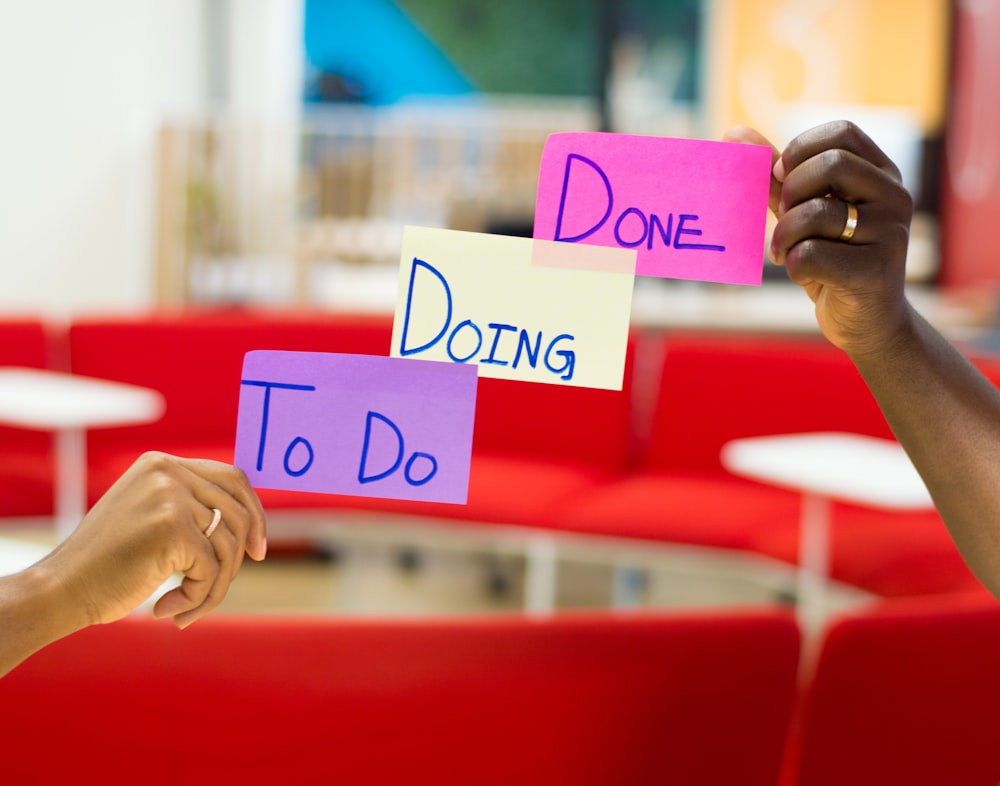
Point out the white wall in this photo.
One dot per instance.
(84, 85)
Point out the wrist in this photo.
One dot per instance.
(35, 610)
(57, 608)
(890, 342)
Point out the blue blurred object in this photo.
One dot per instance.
(369, 51)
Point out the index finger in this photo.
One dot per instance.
(838, 135)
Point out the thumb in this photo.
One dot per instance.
(749, 136)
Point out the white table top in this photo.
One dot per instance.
(49, 400)
(849, 467)
(16, 555)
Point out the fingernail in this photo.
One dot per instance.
(779, 170)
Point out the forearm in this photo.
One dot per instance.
(946, 415)
(33, 614)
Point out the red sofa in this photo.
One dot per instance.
(534, 444)
(640, 463)
(577, 700)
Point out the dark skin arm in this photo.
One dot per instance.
(943, 411)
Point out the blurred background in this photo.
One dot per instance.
(184, 180)
(180, 151)
(162, 155)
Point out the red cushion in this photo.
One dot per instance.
(515, 489)
(26, 480)
(578, 699)
(556, 421)
(26, 458)
(706, 509)
(884, 552)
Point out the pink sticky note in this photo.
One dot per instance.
(692, 209)
(356, 424)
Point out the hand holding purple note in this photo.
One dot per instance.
(693, 209)
(356, 424)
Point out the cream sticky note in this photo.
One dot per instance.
(691, 208)
(522, 309)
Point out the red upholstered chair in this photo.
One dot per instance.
(903, 692)
(26, 457)
(575, 700)
(712, 388)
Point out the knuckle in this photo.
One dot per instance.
(168, 489)
(215, 596)
(822, 212)
(238, 478)
(155, 461)
(803, 254)
(835, 162)
(847, 129)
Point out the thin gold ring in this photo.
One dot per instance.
(851, 224)
(216, 518)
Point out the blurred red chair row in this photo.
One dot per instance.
(641, 463)
(575, 700)
(903, 691)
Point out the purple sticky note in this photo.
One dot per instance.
(356, 424)
(691, 208)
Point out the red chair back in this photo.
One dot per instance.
(904, 693)
(576, 700)
(718, 387)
